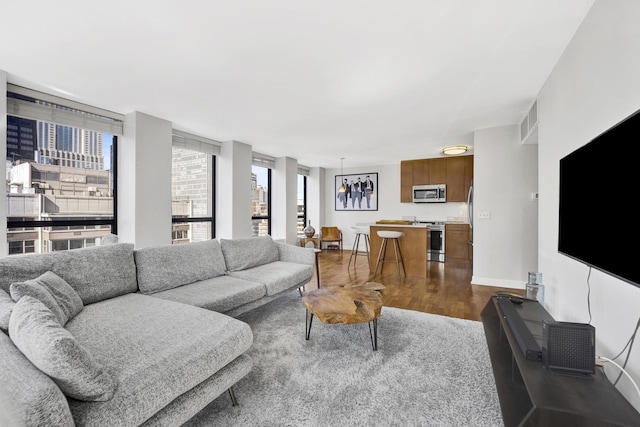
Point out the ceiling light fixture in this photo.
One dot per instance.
(454, 149)
(342, 189)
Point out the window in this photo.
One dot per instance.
(302, 203)
(192, 188)
(260, 200)
(61, 168)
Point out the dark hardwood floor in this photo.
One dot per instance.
(447, 290)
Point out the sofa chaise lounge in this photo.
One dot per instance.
(113, 335)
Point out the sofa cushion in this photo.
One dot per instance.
(277, 276)
(168, 266)
(6, 307)
(159, 350)
(28, 397)
(240, 254)
(35, 330)
(96, 273)
(51, 290)
(218, 294)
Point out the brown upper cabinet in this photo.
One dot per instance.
(455, 172)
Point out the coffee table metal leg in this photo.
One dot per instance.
(374, 335)
(308, 321)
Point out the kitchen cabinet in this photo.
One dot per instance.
(455, 172)
(456, 243)
(413, 246)
(420, 173)
(438, 170)
(406, 180)
(456, 179)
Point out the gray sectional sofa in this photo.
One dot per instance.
(113, 335)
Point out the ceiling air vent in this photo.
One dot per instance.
(529, 126)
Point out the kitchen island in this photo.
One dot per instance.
(413, 245)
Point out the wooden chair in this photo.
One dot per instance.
(331, 235)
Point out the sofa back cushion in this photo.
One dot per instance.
(166, 267)
(240, 254)
(96, 273)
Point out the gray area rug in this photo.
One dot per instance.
(429, 370)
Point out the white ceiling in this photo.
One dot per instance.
(375, 81)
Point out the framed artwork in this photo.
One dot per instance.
(357, 192)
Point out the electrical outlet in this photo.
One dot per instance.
(484, 215)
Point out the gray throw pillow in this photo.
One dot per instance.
(54, 292)
(36, 332)
(6, 307)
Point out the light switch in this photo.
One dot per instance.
(484, 215)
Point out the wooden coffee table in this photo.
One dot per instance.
(346, 304)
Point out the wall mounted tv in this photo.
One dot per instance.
(599, 189)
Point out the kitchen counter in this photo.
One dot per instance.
(401, 225)
(413, 246)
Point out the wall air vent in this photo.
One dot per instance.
(529, 126)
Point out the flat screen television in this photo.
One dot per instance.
(599, 189)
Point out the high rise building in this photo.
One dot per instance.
(21, 139)
(55, 172)
(69, 146)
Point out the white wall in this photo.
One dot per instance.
(284, 214)
(315, 197)
(505, 174)
(594, 86)
(144, 183)
(233, 190)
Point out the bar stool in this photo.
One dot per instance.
(386, 236)
(359, 231)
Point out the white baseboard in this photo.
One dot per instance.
(500, 283)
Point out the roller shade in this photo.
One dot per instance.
(195, 143)
(49, 108)
(262, 160)
(303, 170)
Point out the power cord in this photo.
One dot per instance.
(630, 345)
(622, 371)
(589, 294)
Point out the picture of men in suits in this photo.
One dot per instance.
(359, 188)
(356, 194)
(367, 189)
(342, 195)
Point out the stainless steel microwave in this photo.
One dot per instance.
(430, 193)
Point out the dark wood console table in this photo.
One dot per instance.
(530, 395)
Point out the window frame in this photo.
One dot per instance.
(268, 216)
(304, 201)
(38, 106)
(212, 218)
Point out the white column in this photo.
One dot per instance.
(3, 166)
(233, 181)
(144, 181)
(284, 200)
(316, 193)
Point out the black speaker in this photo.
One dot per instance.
(569, 348)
